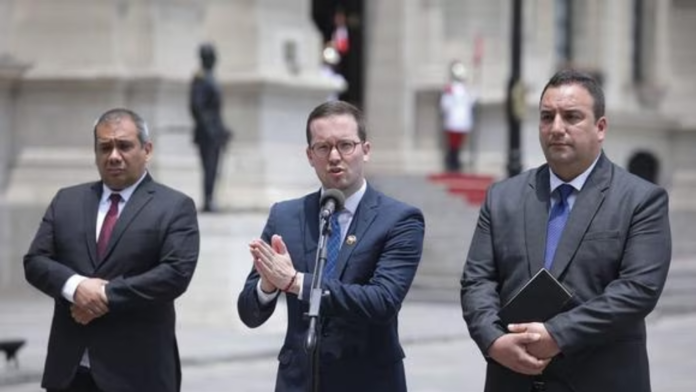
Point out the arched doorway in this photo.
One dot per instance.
(645, 165)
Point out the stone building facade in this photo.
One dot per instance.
(64, 62)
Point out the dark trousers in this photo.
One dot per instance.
(210, 157)
(82, 382)
(455, 140)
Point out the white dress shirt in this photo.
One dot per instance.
(577, 183)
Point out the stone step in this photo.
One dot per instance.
(676, 305)
(682, 191)
(679, 294)
(683, 240)
(449, 227)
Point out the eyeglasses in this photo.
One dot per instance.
(344, 147)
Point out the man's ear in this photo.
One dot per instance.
(149, 147)
(366, 146)
(601, 128)
(310, 158)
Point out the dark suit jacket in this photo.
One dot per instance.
(613, 256)
(149, 262)
(360, 349)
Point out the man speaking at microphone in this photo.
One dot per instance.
(373, 252)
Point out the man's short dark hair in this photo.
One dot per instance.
(337, 108)
(114, 115)
(571, 76)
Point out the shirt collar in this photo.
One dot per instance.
(125, 193)
(351, 203)
(577, 183)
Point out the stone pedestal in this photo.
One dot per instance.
(276, 163)
(266, 160)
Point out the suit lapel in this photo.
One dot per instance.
(310, 225)
(536, 211)
(364, 216)
(589, 200)
(90, 211)
(142, 195)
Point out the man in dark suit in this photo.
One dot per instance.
(209, 134)
(381, 242)
(114, 255)
(612, 253)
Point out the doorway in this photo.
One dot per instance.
(328, 17)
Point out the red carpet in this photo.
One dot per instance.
(470, 187)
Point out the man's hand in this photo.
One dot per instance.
(81, 315)
(510, 351)
(545, 347)
(273, 263)
(266, 284)
(90, 297)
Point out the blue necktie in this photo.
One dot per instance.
(557, 220)
(333, 246)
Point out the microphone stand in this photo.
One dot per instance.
(312, 341)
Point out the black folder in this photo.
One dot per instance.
(539, 299)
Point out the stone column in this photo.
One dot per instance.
(386, 87)
(10, 74)
(662, 43)
(616, 55)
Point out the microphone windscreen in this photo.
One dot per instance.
(338, 197)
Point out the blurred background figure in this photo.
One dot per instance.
(340, 37)
(210, 134)
(457, 108)
(340, 25)
(335, 50)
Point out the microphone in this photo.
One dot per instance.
(332, 200)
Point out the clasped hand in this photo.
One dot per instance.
(527, 349)
(90, 301)
(273, 263)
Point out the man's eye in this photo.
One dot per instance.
(125, 146)
(573, 117)
(345, 146)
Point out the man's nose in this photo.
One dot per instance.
(115, 155)
(334, 155)
(558, 126)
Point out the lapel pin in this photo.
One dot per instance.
(350, 240)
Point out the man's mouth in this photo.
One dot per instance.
(558, 144)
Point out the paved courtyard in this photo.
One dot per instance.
(220, 354)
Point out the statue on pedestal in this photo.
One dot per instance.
(210, 133)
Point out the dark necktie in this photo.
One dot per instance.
(557, 220)
(108, 225)
(333, 246)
